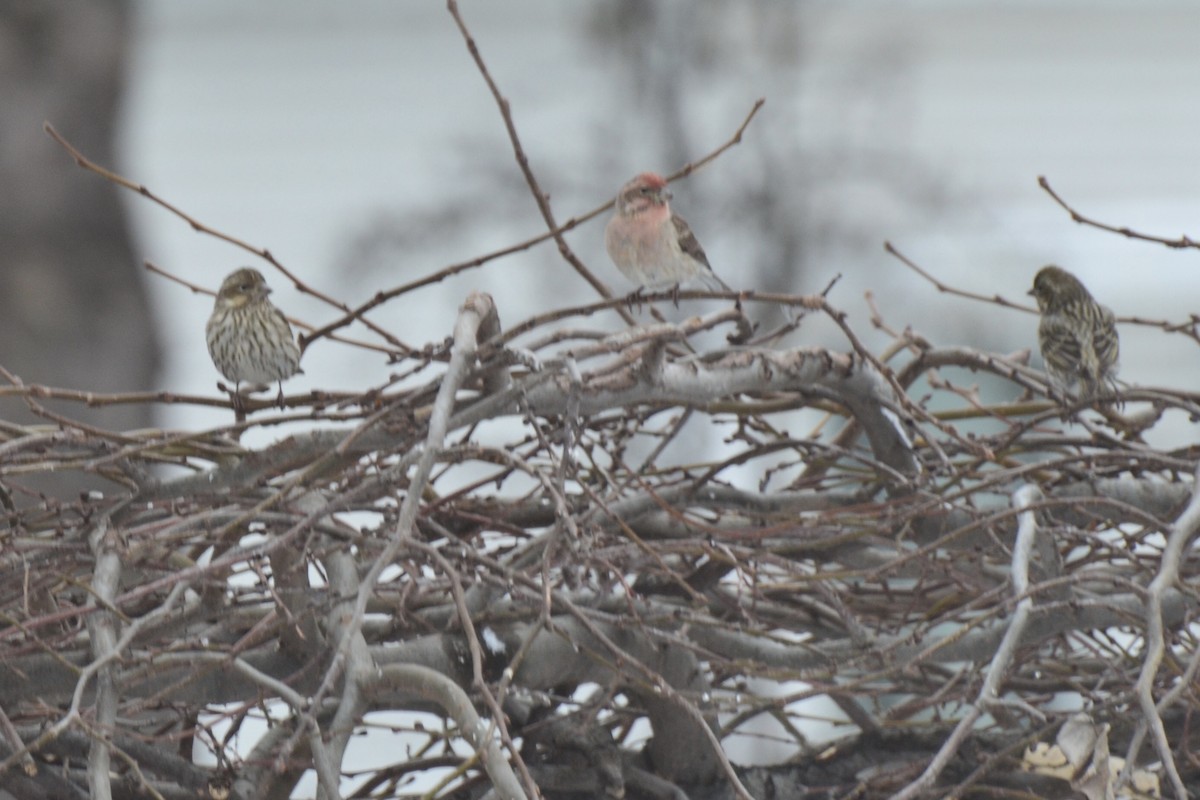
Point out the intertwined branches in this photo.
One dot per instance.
(578, 543)
(612, 559)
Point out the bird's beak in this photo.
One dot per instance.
(666, 194)
(1030, 293)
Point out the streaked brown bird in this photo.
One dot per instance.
(1077, 335)
(249, 339)
(652, 246)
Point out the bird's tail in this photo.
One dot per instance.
(711, 281)
(1101, 386)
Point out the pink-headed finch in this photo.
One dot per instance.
(651, 246)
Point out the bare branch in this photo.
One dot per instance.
(1176, 244)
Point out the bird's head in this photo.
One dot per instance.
(242, 286)
(646, 191)
(1054, 287)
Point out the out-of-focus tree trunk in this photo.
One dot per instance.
(73, 308)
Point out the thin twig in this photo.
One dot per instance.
(1182, 532)
(948, 289)
(196, 289)
(555, 231)
(1189, 327)
(200, 227)
(1175, 244)
(1005, 653)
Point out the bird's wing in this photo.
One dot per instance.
(689, 245)
(1060, 341)
(1104, 339)
(687, 240)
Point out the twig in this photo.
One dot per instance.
(17, 745)
(1182, 531)
(327, 771)
(989, 692)
(435, 687)
(692, 166)
(555, 233)
(152, 267)
(1175, 244)
(540, 197)
(471, 315)
(616, 303)
(472, 638)
(946, 288)
(1189, 327)
(200, 227)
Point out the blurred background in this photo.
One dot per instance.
(359, 144)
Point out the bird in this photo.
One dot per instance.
(1077, 336)
(651, 246)
(250, 339)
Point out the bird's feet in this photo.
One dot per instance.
(236, 399)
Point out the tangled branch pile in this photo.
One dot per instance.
(573, 559)
(526, 519)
